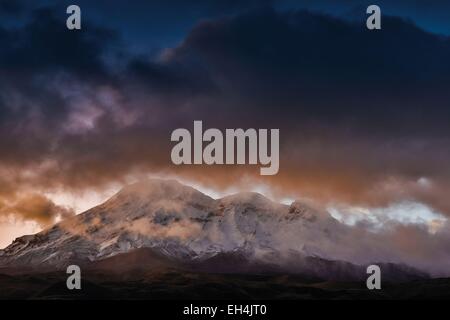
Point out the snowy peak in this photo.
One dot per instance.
(186, 226)
(306, 212)
(173, 219)
(157, 189)
(254, 199)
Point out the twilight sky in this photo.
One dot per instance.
(363, 115)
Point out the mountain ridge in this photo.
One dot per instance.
(244, 232)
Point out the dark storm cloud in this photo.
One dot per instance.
(43, 68)
(363, 115)
(44, 44)
(171, 78)
(8, 7)
(359, 110)
(36, 57)
(317, 66)
(267, 60)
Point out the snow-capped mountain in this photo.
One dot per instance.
(185, 225)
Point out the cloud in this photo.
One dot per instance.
(363, 115)
(353, 106)
(12, 8)
(53, 47)
(180, 230)
(411, 244)
(35, 207)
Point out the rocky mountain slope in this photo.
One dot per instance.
(167, 224)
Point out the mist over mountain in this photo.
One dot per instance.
(164, 224)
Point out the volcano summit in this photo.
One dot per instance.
(166, 223)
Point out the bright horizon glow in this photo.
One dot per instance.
(406, 212)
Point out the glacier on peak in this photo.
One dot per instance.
(183, 224)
